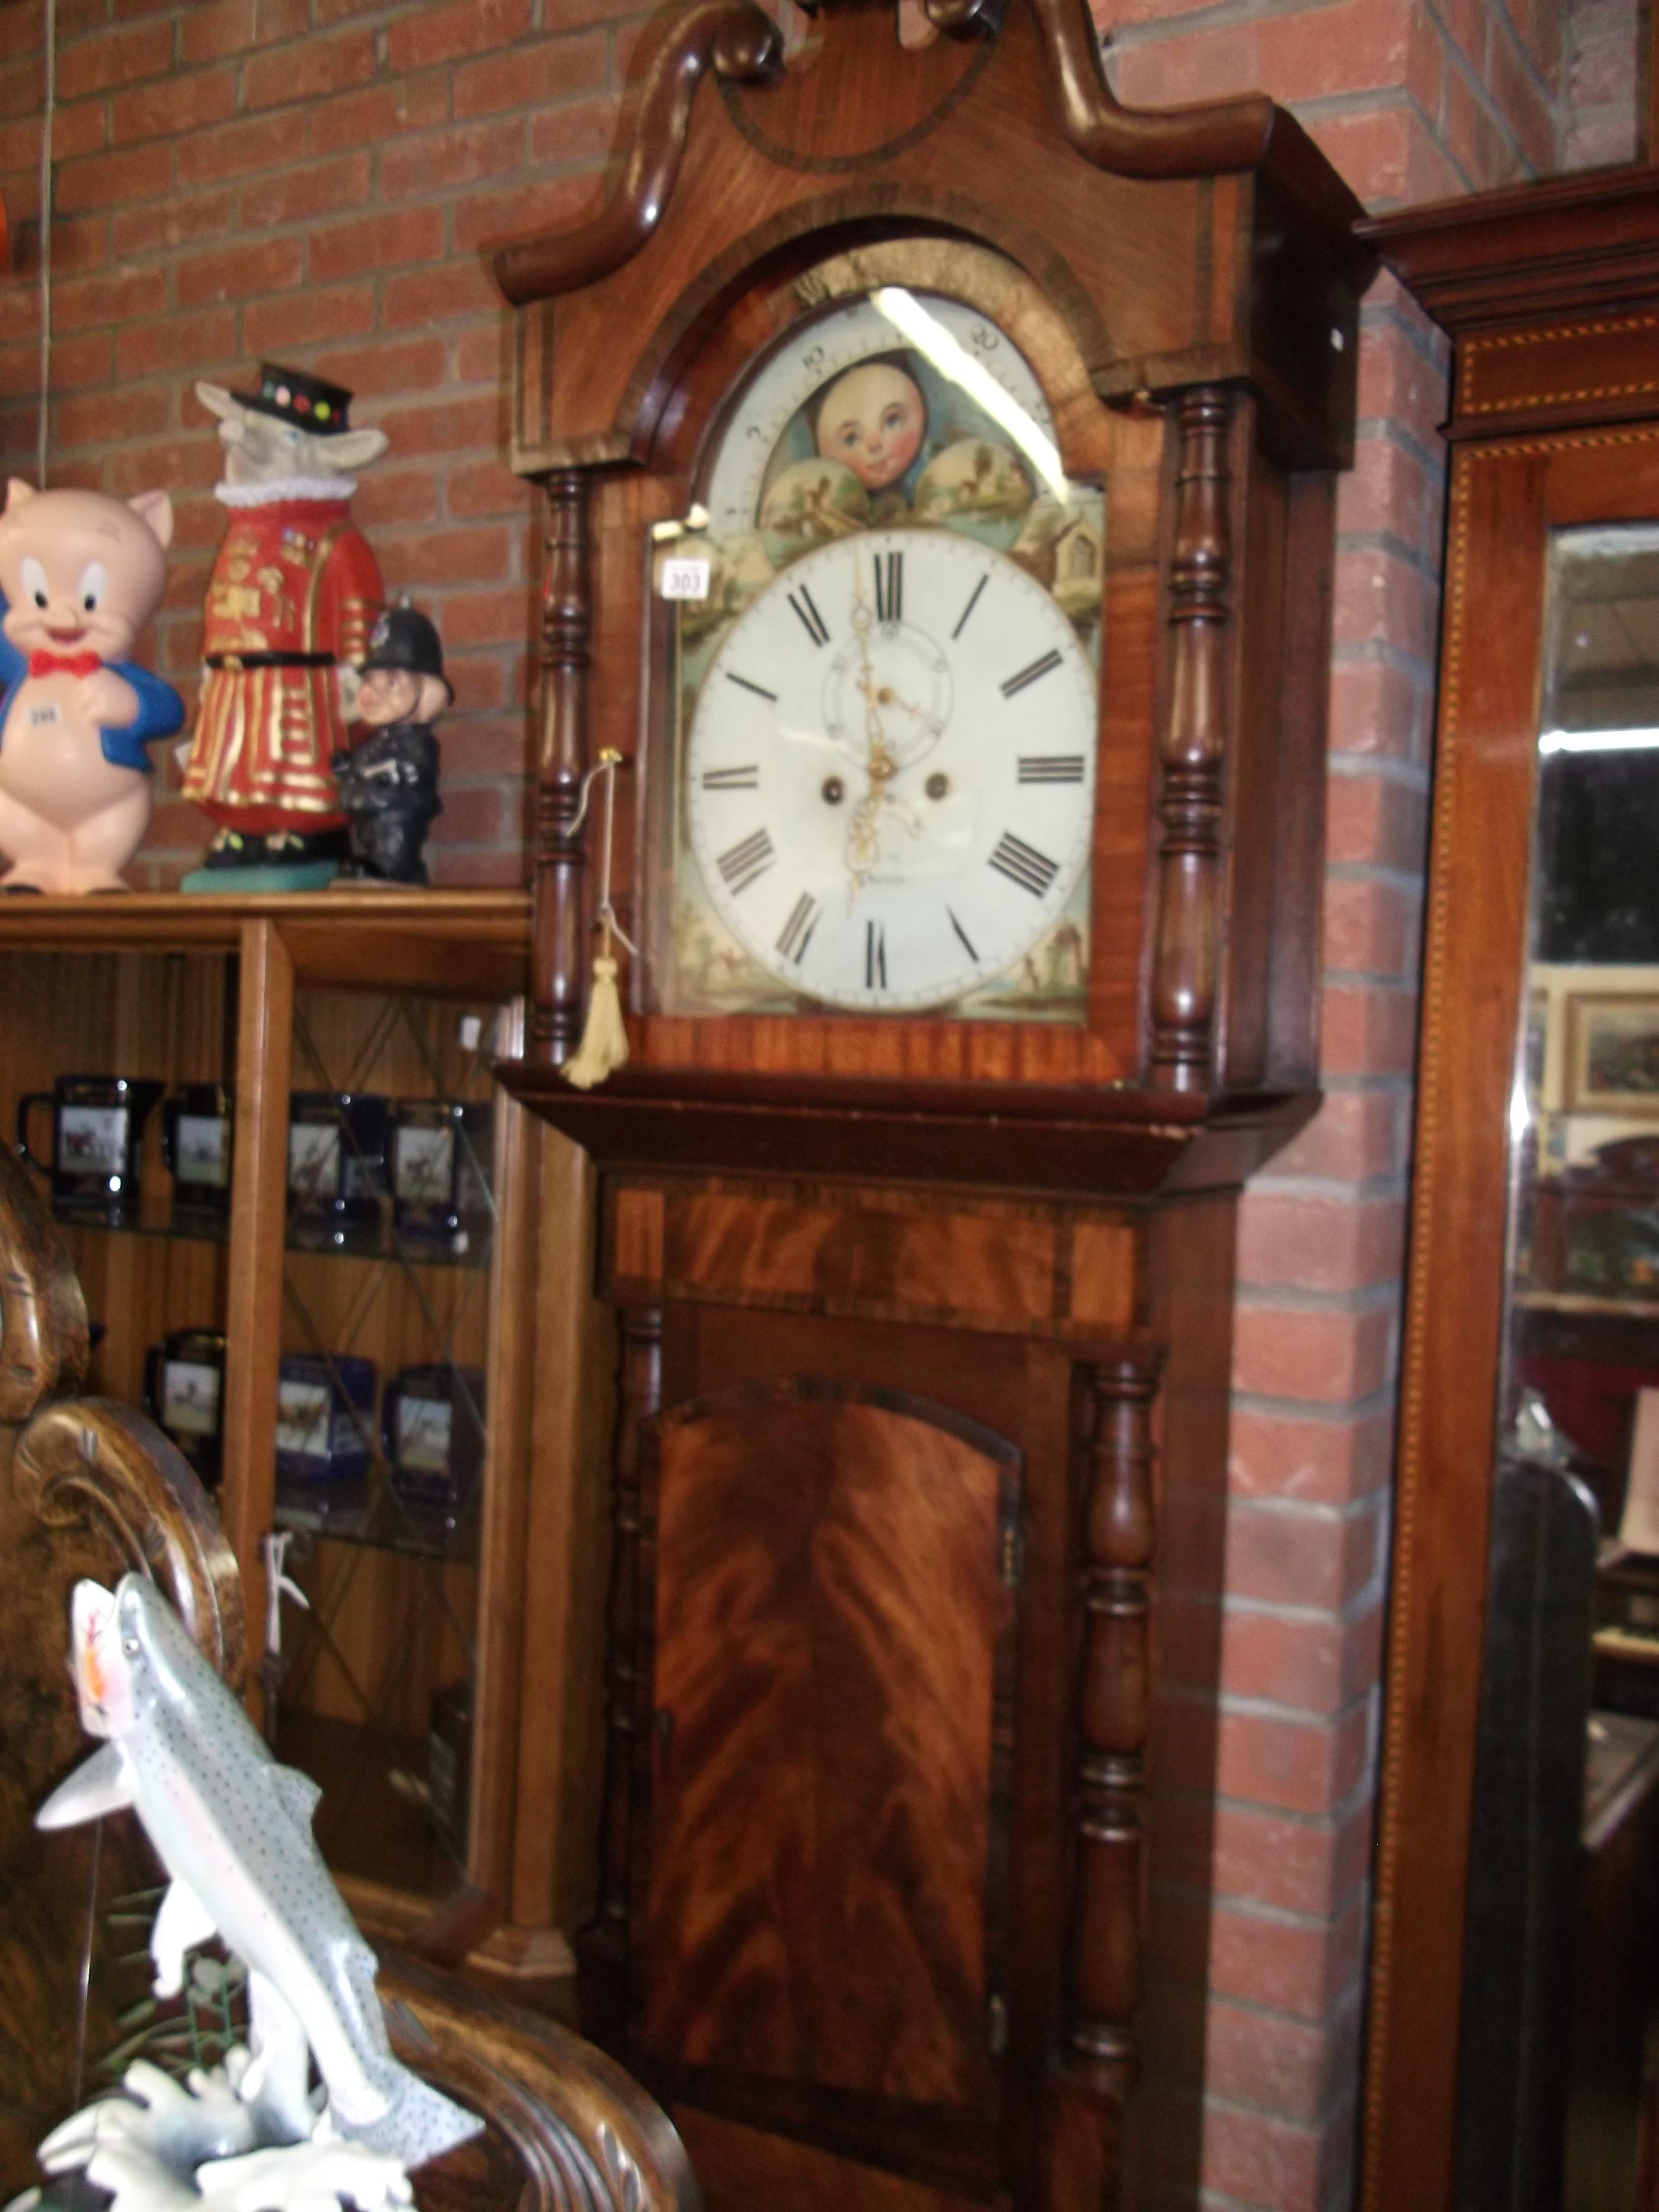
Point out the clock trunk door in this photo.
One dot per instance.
(831, 1746)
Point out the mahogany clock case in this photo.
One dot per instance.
(905, 1296)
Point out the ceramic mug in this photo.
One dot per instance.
(195, 1141)
(432, 1435)
(336, 1166)
(438, 1165)
(325, 1417)
(97, 1136)
(184, 1390)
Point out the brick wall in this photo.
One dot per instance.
(1412, 101)
(311, 178)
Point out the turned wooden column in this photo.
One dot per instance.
(603, 1943)
(1194, 752)
(558, 941)
(1112, 1712)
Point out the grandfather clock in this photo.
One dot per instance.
(939, 461)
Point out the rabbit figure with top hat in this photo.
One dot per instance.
(294, 595)
(389, 783)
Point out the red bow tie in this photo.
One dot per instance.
(64, 663)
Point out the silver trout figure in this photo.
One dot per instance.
(233, 1830)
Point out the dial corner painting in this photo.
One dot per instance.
(883, 705)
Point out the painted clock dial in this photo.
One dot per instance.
(884, 695)
(890, 769)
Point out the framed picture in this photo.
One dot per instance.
(1612, 1046)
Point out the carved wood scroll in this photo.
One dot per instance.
(558, 945)
(1194, 747)
(1113, 1712)
(43, 1317)
(736, 39)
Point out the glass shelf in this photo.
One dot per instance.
(380, 1246)
(378, 1525)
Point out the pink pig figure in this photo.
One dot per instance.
(79, 573)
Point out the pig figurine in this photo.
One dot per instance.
(79, 573)
(294, 592)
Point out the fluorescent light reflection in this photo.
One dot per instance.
(1599, 741)
(936, 344)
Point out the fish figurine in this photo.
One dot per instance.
(232, 1831)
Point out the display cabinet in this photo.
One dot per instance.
(1513, 1976)
(307, 1227)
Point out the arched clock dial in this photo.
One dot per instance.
(890, 772)
(813, 356)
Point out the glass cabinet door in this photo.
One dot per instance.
(1569, 1753)
(383, 1442)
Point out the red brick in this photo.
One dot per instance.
(100, 417)
(1380, 598)
(238, 150)
(310, 316)
(114, 56)
(441, 159)
(476, 814)
(190, 462)
(1320, 1354)
(1358, 45)
(1297, 1765)
(1295, 1456)
(488, 218)
(1284, 2066)
(114, 179)
(1355, 1135)
(1368, 1030)
(1378, 708)
(308, 69)
(497, 617)
(180, 104)
(82, 302)
(171, 223)
(1254, 2159)
(1370, 149)
(454, 287)
(485, 356)
(480, 680)
(185, 346)
(445, 426)
(1389, 492)
(1310, 1866)
(1369, 927)
(473, 870)
(379, 114)
(77, 362)
(277, 20)
(581, 131)
(531, 76)
(1316, 1666)
(1298, 1554)
(1399, 390)
(465, 26)
(478, 745)
(1212, 64)
(1521, 100)
(453, 555)
(487, 488)
(1475, 140)
(82, 128)
(301, 195)
(1287, 1239)
(1426, 65)
(390, 496)
(336, 11)
(214, 29)
(399, 367)
(240, 271)
(19, 88)
(374, 242)
(1375, 820)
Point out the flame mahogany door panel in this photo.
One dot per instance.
(831, 1613)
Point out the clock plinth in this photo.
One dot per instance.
(986, 432)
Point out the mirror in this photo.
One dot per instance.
(1563, 2027)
